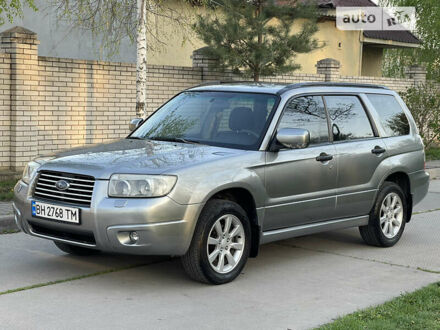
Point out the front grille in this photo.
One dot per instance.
(80, 237)
(79, 192)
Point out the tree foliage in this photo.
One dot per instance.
(428, 30)
(13, 8)
(256, 37)
(424, 104)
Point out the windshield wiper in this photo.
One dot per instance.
(174, 139)
(135, 138)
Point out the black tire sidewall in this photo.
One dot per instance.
(214, 212)
(386, 189)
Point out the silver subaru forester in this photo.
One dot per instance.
(222, 168)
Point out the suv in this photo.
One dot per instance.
(221, 169)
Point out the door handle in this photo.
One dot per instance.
(378, 150)
(323, 157)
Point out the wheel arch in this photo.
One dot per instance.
(401, 178)
(243, 197)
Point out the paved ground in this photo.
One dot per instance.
(293, 284)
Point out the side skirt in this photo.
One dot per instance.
(317, 227)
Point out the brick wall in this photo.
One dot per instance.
(83, 102)
(48, 104)
(399, 85)
(5, 110)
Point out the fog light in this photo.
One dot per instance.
(134, 236)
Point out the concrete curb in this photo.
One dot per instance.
(7, 223)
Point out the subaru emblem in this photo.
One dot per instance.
(62, 185)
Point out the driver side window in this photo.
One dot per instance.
(307, 112)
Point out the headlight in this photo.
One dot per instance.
(32, 167)
(133, 185)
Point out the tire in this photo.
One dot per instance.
(75, 250)
(196, 262)
(378, 232)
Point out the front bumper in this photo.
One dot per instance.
(164, 227)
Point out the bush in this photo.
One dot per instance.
(7, 190)
(424, 103)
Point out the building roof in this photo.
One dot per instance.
(399, 36)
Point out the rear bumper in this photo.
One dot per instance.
(419, 182)
(164, 227)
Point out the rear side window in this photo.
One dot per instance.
(348, 117)
(307, 112)
(391, 114)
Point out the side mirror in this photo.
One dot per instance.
(135, 123)
(293, 138)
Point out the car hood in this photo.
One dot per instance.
(134, 157)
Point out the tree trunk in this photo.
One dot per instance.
(141, 59)
(256, 75)
(258, 12)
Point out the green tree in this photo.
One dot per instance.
(256, 37)
(13, 8)
(428, 30)
(424, 103)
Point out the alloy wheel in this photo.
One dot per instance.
(225, 244)
(391, 215)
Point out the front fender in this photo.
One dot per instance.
(197, 184)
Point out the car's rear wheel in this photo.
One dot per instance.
(75, 250)
(221, 243)
(388, 217)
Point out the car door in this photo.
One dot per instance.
(359, 151)
(301, 183)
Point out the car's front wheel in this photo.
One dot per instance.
(75, 250)
(221, 243)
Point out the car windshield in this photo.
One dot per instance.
(226, 119)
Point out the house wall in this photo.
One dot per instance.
(372, 61)
(48, 104)
(344, 46)
(170, 43)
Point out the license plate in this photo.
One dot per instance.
(55, 212)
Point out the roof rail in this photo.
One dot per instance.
(328, 84)
(221, 82)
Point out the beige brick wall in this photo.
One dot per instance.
(49, 104)
(296, 78)
(84, 102)
(5, 110)
(399, 85)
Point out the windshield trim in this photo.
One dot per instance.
(254, 147)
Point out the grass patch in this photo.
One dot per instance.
(417, 310)
(9, 231)
(432, 154)
(7, 190)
